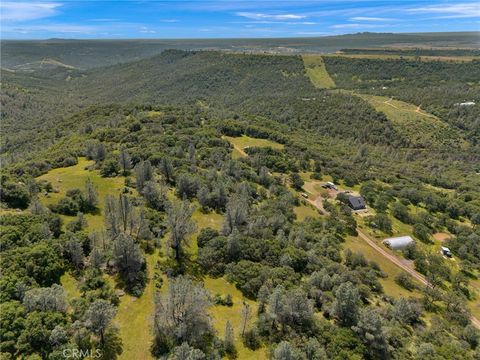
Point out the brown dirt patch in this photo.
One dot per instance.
(441, 236)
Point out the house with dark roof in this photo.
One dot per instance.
(356, 202)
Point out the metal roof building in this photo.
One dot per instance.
(356, 202)
(397, 243)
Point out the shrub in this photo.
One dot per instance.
(66, 206)
(205, 236)
(382, 222)
(405, 281)
(251, 339)
(110, 168)
(225, 301)
(15, 195)
(422, 232)
(297, 181)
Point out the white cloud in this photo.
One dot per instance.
(260, 16)
(25, 11)
(145, 30)
(367, 18)
(461, 10)
(169, 20)
(276, 22)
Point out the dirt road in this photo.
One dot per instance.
(392, 258)
(404, 267)
(388, 102)
(318, 204)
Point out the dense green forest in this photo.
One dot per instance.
(123, 180)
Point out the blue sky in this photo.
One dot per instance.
(230, 19)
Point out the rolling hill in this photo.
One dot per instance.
(87, 54)
(174, 205)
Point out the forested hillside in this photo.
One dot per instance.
(173, 208)
(438, 87)
(273, 86)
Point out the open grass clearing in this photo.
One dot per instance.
(70, 284)
(312, 186)
(474, 305)
(203, 220)
(419, 127)
(244, 142)
(75, 177)
(304, 211)
(221, 314)
(135, 318)
(317, 72)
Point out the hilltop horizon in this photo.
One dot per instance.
(359, 33)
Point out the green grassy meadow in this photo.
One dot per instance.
(243, 142)
(135, 318)
(220, 314)
(305, 210)
(70, 284)
(420, 128)
(317, 72)
(75, 177)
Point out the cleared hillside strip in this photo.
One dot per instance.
(423, 130)
(316, 71)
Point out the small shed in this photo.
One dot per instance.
(356, 202)
(398, 243)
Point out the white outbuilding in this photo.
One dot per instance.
(398, 243)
